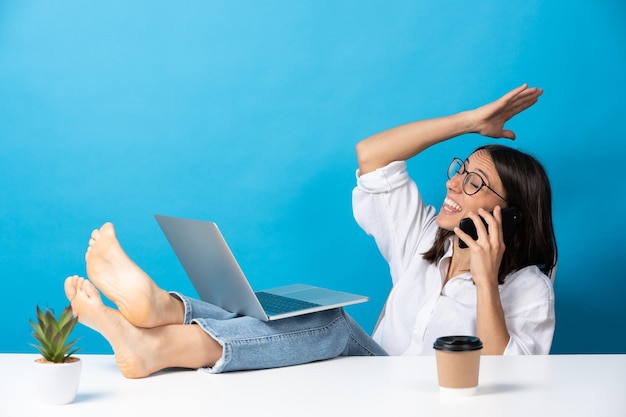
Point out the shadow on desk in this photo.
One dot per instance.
(492, 389)
(83, 397)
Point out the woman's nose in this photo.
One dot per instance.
(455, 183)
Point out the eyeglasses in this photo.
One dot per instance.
(473, 182)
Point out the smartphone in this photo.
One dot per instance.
(510, 219)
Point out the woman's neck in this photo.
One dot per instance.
(460, 261)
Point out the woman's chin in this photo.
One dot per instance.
(447, 222)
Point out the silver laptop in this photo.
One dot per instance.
(219, 280)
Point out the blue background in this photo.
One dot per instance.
(247, 113)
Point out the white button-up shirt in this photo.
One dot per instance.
(388, 206)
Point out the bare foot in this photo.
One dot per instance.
(141, 352)
(131, 345)
(136, 295)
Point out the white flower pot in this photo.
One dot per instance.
(57, 383)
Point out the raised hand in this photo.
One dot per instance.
(492, 117)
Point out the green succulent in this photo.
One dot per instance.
(52, 334)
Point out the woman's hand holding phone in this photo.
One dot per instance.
(487, 249)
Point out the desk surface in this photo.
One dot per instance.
(556, 385)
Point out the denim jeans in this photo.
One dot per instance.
(249, 343)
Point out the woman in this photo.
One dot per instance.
(440, 289)
(504, 298)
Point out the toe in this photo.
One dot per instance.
(107, 228)
(90, 290)
(70, 287)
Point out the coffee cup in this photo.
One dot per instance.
(458, 362)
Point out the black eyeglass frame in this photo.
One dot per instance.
(463, 170)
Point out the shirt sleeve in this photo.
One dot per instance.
(387, 205)
(529, 312)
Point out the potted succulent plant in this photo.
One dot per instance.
(57, 371)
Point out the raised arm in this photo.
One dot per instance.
(406, 141)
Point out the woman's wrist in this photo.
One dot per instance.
(487, 286)
(468, 122)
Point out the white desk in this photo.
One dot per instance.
(529, 386)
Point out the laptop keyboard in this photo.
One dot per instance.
(277, 304)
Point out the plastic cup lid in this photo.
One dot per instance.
(458, 343)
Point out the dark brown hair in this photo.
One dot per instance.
(527, 188)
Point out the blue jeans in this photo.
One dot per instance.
(249, 343)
